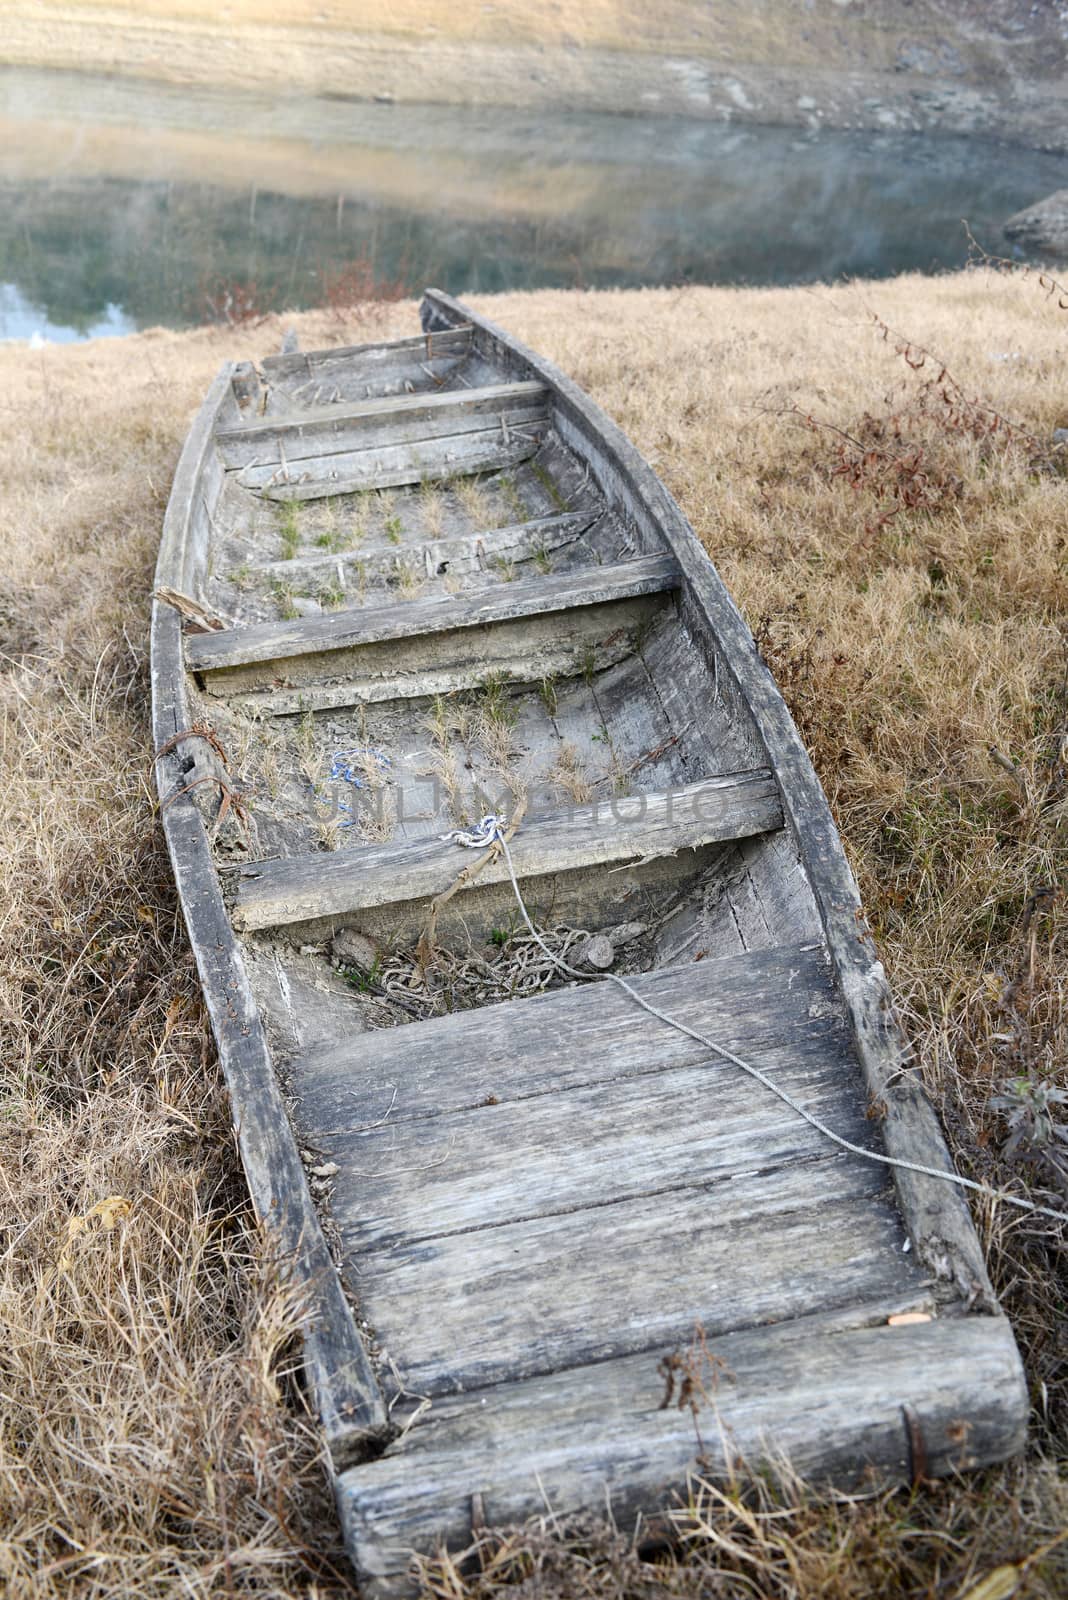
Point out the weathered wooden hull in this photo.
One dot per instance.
(447, 574)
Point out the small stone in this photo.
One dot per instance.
(352, 949)
(329, 1169)
(290, 342)
(1060, 436)
(305, 607)
(627, 932)
(598, 952)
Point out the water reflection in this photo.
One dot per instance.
(20, 319)
(126, 204)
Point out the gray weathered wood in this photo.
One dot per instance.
(499, 602)
(560, 1182)
(343, 1382)
(369, 360)
(515, 651)
(469, 552)
(295, 889)
(387, 466)
(936, 1212)
(593, 1145)
(335, 430)
(778, 1006)
(464, 1310)
(826, 1394)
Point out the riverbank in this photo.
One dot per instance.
(910, 593)
(888, 65)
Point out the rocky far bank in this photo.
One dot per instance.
(1042, 230)
(993, 69)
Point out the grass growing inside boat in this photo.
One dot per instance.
(550, 485)
(152, 1441)
(332, 593)
(289, 530)
(431, 509)
(476, 503)
(283, 595)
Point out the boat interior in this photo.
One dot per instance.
(582, 697)
(413, 600)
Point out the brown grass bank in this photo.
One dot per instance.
(902, 556)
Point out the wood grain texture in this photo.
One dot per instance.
(537, 1199)
(653, 1133)
(779, 1004)
(936, 1212)
(369, 424)
(456, 555)
(356, 361)
(826, 1393)
(500, 602)
(541, 1293)
(512, 652)
(388, 466)
(298, 888)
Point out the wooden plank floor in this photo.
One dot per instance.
(535, 1201)
(572, 1180)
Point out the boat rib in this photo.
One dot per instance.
(449, 588)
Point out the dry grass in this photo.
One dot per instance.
(151, 1436)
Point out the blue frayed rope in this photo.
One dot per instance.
(343, 770)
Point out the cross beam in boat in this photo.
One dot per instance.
(833, 1392)
(469, 552)
(642, 826)
(369, 359)
(258, 449)
(498, 602)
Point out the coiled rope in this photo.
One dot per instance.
(489, 833)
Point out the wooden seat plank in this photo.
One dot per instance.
(407, 1180)
(392, 465)
(500, 602)
(297, 888)
(615, 1188)
(256, 449)
(538, 1294)
(514, 652)
(369, 359)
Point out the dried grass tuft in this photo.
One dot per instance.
(774, 1538)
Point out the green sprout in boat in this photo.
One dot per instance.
(289, 530)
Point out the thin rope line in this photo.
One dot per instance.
(490, 832)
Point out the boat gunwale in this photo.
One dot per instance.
(345, 1391)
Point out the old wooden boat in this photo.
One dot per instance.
(513, 1199)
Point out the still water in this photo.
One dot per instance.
(126, 204)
